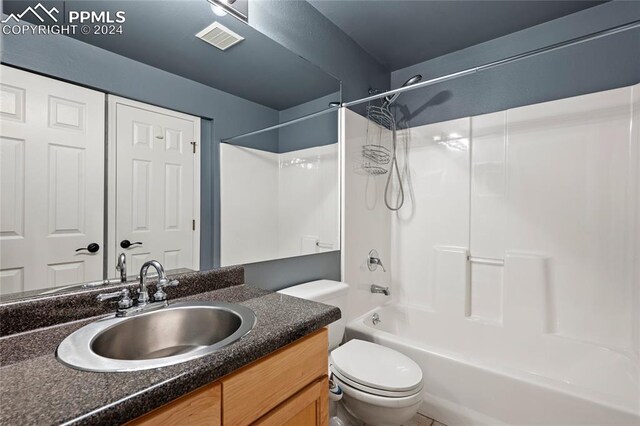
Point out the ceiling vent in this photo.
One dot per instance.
(219, 36)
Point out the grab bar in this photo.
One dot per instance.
(486, 261)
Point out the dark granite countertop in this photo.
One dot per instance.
(19, 316)
(37, 389)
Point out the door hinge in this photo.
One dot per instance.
(193, 144)
(193, 224)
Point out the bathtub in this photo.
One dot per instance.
(475, 374)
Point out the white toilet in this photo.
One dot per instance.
(381, 386)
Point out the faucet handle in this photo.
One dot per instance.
(166, 282)
(124, 302)
(373, 261)
(160, 295)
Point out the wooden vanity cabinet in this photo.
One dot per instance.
(308, 407)
(287, 387)
(201, 407)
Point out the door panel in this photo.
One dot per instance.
(156, 191)
(52, 182)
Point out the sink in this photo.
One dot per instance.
(175, 334)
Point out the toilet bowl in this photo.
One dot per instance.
(380, 386)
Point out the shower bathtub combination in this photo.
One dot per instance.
(513, 263)
(471, 378)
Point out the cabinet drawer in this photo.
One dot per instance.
(256, 389)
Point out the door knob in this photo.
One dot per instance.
(91, 248)
(125, 244)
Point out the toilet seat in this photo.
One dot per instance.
(379, 400)
(376, 370)
(373, 391)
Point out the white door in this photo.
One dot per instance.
(52, 182)
(157, 186)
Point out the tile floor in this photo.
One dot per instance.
(420, 420)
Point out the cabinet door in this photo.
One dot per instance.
(202, 407)
(255, 390)
(308, 407)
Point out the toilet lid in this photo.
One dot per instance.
(376, 366)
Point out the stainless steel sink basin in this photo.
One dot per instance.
(175, 334)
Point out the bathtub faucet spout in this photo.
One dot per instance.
(379, 289)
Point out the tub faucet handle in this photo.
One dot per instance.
(373, 261)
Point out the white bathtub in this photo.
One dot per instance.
(473, 375)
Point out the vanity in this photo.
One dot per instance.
(287, 387)
(275, 374)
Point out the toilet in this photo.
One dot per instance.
(381, 386)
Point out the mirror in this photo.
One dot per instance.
(299, 164)
(110, 142)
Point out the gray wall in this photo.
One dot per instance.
(602, 64)
(317, 131)
(208, 156)
(302, 29)
(282, 273)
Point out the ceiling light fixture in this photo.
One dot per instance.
(218, 10)
(225, 5)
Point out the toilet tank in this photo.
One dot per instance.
(330, 293)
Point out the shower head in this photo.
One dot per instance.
(413, 80)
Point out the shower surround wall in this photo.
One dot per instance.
(365, 220)
(553, 190)
(278, 205)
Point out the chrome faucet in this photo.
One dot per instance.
(375, 319)
(373, 261)
(125, 305)
(163, 281)
(143, 293)
(122, 267)
(381, 290)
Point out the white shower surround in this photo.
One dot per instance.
(551, 337)
(278, 205)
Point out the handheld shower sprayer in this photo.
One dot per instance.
(394, 168)
(375, 156)
(391, 99)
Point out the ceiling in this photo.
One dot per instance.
(399, 33)
(162, 34)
